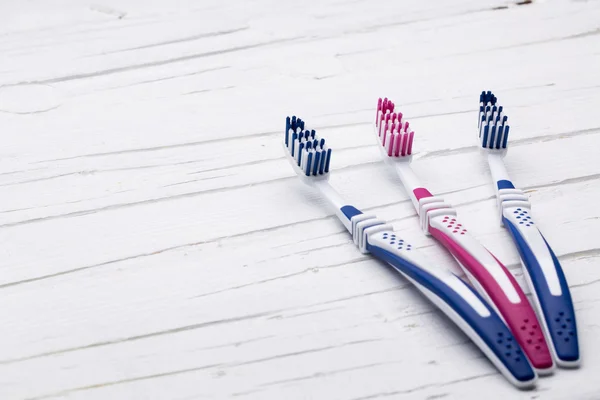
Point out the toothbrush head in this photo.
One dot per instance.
(394, 133)
(307, 153)
(492, 123)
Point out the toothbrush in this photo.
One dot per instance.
(310, 158)
(542, 269)
(438, 219)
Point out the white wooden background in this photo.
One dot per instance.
(154, 244)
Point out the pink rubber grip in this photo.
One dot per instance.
(520, 317)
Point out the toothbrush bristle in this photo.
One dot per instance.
(492, 122)
(308, 151)
(394, 133)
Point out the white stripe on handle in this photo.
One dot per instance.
(460, 303)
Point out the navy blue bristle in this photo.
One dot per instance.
(294, 138)
(322, 143)
(300, 148)
(322, 163)
(500, 135)
(492, 136)
(505, 136)
(316, 163)
(485, 135)
(328, 160)
(301, 124)
(308, 163)
(499, 138)
(287, 129)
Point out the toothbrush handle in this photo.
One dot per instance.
(495, 283)
(548, 284)
(460, 303)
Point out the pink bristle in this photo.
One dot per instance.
(385, 131)
(379, 103)
(384, 105)
(404, 144)
(381, 118)
(391, 106)
(398, 144)
(410, 142)
(399, 116)
(406, 126)
(390, 145)
(379, 107)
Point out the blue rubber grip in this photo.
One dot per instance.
(505, 184)
(491, 329)
(558, 310)
(350, 211)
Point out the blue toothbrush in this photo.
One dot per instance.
(542, 269)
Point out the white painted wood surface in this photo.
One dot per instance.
(156, 245)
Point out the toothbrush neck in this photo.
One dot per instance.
(336, 202)
(498, 170)
(411, 183)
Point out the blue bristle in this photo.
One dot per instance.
(322, 143)
(492, 136)
(294, 138)
(308, 145)
(294, 122)
(485, 135)
(300, 148)
(316, 163)
(313, 133)
(315, 144)
(505, 136)
(322, 163)
(301, 124)
(328, 160)
(499, 138)
(287, 129)
(308, 163)
(500, 135)
(481, 122)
